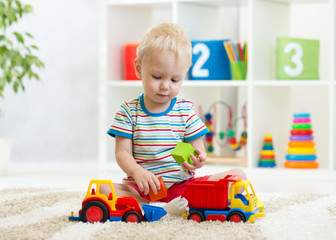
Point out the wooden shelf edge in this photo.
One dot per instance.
(230, 160)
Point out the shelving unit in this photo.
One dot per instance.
(271, 102)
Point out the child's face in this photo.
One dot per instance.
(161, 77)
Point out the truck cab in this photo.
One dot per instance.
(242, 196)
(97, 207)
(97, 188)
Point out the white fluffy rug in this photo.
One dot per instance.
(30, 213)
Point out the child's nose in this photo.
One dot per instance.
(164, 84)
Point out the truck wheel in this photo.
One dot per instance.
(236, 217)
(94, 212)
(196, 216)
(132, 216)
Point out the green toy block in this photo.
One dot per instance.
(182, 153)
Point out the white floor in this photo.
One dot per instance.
(78, 175)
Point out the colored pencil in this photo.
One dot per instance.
(245, 52)
(228, 52)
(240, 51)
(233, 52)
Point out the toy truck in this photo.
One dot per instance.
(98, 207)
(211, 200)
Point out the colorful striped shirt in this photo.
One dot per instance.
(155, 135)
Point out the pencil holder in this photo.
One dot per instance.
(297, 59)
(238, 70)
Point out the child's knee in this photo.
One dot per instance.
(234, 171)
(240, 172)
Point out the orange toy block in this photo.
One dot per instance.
(162, 193)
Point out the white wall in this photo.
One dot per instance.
(57, 119)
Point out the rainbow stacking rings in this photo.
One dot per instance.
(301, 148)
(266, 158)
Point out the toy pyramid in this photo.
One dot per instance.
(267, 156)
(301, 151)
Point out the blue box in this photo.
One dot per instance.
(209, 61)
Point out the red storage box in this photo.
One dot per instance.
(130, 55)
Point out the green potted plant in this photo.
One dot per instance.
(18, 63)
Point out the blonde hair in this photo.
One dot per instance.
(166, 36)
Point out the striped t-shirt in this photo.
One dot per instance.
(155, 135)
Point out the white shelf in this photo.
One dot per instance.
(155, 3)
(216, 3)
(215, 83)
(229, 83)
(289, 83)
(271, 102)
(186, 83)
(124, 83)
(298, 1)
(149, 3)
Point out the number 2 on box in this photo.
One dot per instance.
(296, 58)
(197, 70)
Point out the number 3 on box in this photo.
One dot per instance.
(296, 58)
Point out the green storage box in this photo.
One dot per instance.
(297, 59)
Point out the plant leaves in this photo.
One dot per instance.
(27, 9)
(19, 37)
(29, 35)
(19, 6)
(16, 59)
(3, 50)
(9, 42)
(2, 82)
(15, 87)
(8, 77)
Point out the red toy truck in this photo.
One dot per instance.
(211, 200)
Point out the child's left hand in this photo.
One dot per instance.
(197, 162)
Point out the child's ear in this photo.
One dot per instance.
(137, 67)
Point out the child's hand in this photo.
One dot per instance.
(145, 180)
(197, 162)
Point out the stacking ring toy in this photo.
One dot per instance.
(268, 160)
(301, 120)
(267, 164)
(302, 164)
(295, 157)
(267, 156)
(267, 152)
(301, 115)
(268, 147)
(301, 138)
(300, 126)
(305, 144)
(301, 132)
(301, 150)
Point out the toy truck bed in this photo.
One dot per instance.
(209, 194)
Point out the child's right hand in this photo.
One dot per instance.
(145, 180)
